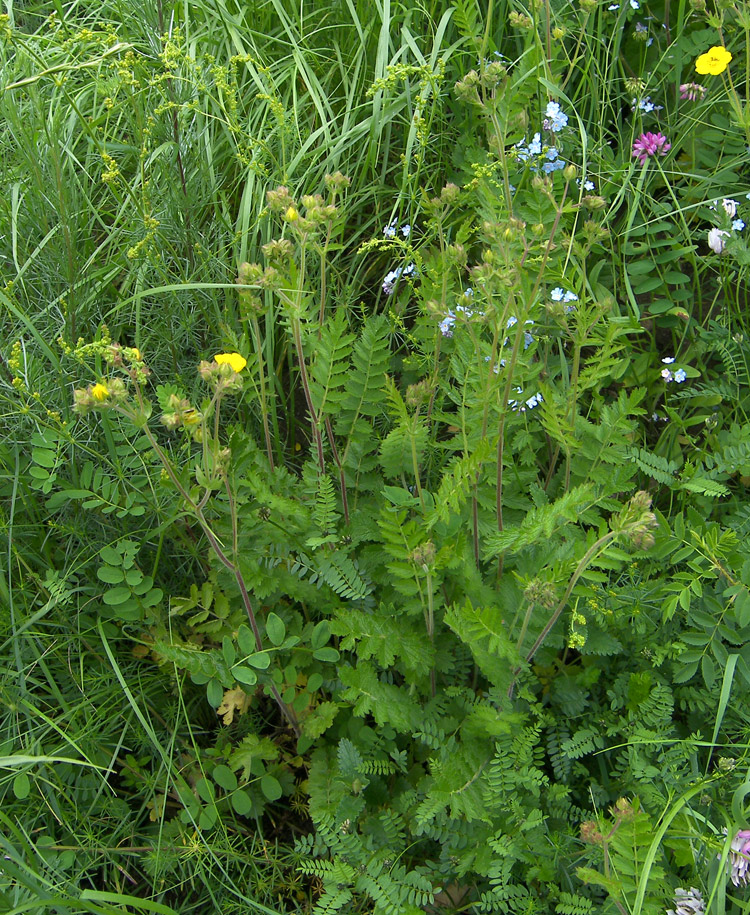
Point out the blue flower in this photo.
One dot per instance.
(738, 225)
(646, 105)
(446, 325)
(389, 280)
(522, 405)
(390, 230)
(406, 230)
(555, 119)
(559, 294)
(680, 376)
(552, 164)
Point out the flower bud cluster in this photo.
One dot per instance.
(103, 394)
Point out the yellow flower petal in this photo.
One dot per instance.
(236, 361)
(100, 392)
(714, 61)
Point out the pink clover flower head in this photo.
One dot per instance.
(650, 144)
(693, 92)
(739, 858)
(688, 902)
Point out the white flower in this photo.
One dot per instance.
(716, 240)
(668, 360)
(687, 902)
(730, 207)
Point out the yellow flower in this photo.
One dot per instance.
(100, 392)
(291, 214)
(714, 61)
(137, 354)
(237, 362)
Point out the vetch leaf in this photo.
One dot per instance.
(275, 628)
(270, 787)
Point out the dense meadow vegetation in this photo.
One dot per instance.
(375, 451)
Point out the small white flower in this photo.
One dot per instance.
(730, 207)
(666, 375)
(668, 360)
(687, 902)
(716, 240)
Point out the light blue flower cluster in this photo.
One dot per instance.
(390, 230)
(390, 279)
(668, 375)
(559, 294)
(646, 105)
(528, 339)
(446, 325)
(555, 119)
(521, 405)
(642, 29)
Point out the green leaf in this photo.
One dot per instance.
(205, 790)
(271, 787)
(43, 458)
(259, 660)
(228, 651)
(242, 803)
(116, 596)
(275, 628)
(326, 654)
(246, 640)
(320, 719)
(245, 675)
(111, 556)
(314, 682)
(110, 575)
(21, 786)
(224, 778)
(214, 692)
(320, 635)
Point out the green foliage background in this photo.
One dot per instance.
(440, 603)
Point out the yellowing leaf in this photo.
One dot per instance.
(235, 700)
